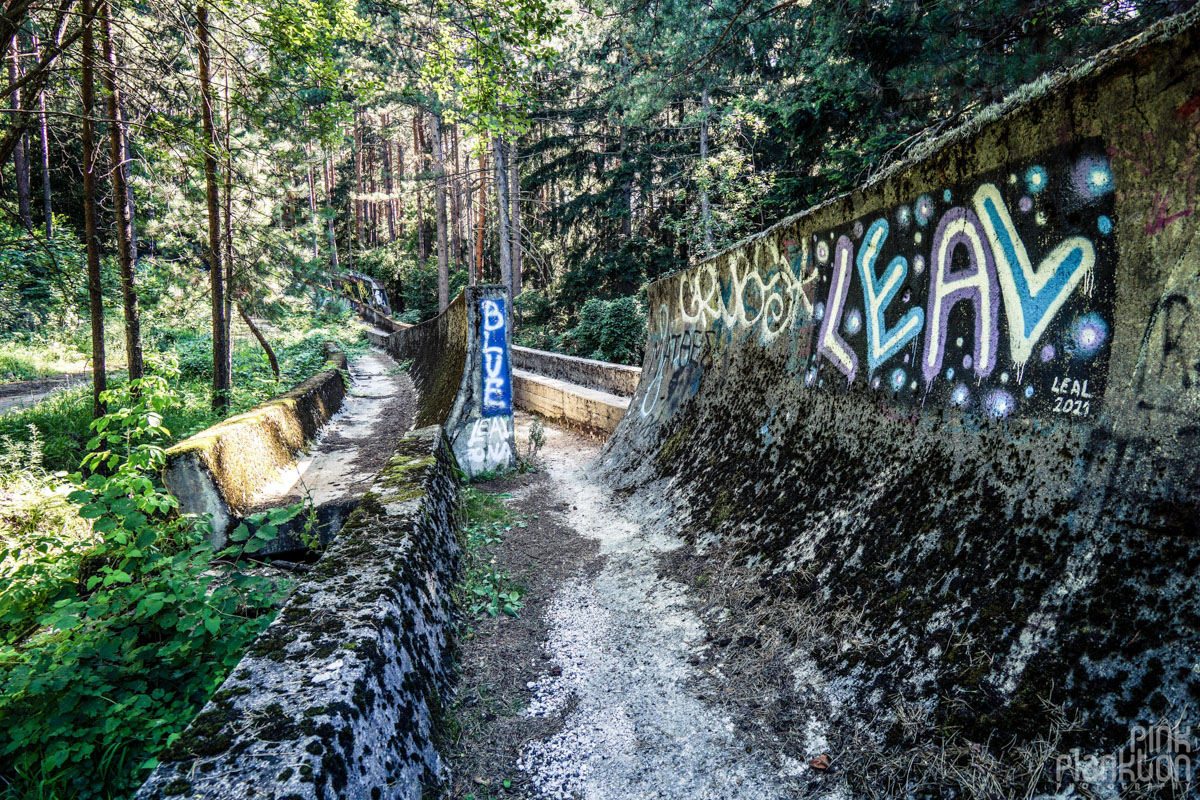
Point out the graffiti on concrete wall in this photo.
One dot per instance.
(994, 296)
(679, 359)
(488, 444)
(496, 378)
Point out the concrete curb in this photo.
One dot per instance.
(603, 376)
(219, 470)
(339, 696)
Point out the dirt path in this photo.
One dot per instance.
(596, 693)
(22, 394)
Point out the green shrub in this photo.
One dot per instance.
(119, 663)
(608, 330)
(16, 368)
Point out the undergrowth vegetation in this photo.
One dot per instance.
(117, 618)
(485, 588)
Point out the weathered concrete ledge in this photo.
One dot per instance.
(606, 377)
(338, 697)
(379, 320)
(588, 410)
(221, 469)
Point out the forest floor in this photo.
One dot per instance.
(598, 689)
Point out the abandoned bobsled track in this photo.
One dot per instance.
(904, 502)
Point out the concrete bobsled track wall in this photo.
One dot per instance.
(338, 697)
(461, 370)
(964, 401)
(220, 470)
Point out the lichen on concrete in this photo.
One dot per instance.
(338, 697)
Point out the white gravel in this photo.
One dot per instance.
(622, 639)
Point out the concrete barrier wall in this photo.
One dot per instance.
(462, 373)
(339, 696)
(589, 411)
(963, 403)
(221, 469)
(378, 318)
(615, 379)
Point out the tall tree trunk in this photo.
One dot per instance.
(21, 153)
(626, 192)
(312, 209)
(705, 203)
(435, 133)
(116, 140)
(95, 296)
(333, 252)
(455, 210)
(499, 151)
(44, 124)
(388, 182)
(358, 180)
(400, 185)
(482, 211)
(222, 381)
(514, 219)
(418, 167)
(468, 211)
(230, 283)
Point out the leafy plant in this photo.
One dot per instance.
(484, 588)
(114, 669)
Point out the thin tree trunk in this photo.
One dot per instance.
(400, 186)
(222, 382)
(455, 209)
(95, 296)
(312, 209)
(262, 340)
(435, 133)
(499, 151)
(514, 219)
(468, 211)
(482, 212)
(358, 180)
(47, 208)
(116, 139)
(388, 182)
(228, 234)
(705, 203)
(333, 252)
(21, 153)
(418, 166)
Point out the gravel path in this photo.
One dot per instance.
(621, 653)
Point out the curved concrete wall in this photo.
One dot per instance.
(339, 696)
(461, 370)
(964, 402)
(220, 470)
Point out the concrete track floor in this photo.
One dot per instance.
(594, 693)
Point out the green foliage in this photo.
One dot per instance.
(609, 330)
(114, 668)
(484, 588)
